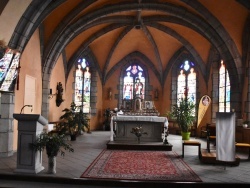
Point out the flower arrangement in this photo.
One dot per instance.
(246, 122)
(138, 131)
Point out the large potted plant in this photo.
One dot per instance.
(54, 144)
(183, 112)
(73, 121)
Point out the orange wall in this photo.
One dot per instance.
(57, 75)
(55, 112)
(96, 121)
(30, 63)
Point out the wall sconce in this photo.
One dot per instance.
(50, 94)
(110, 94)
(156, 94)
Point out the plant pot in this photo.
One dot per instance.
(52, 151)
(52, 165)
(245, 125)
(185, 135)
(73, 137)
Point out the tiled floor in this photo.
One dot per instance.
(87, 148)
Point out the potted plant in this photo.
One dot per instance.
(72, 122)
(245, 123)
(183, 112)
(54, 144)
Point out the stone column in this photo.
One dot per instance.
(6, 124)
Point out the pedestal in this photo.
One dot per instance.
(52, 165)
(6, 124)
(29, 126)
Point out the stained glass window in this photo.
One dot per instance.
(82, 86)
(186, 81)
(224, 89)
(134, 83)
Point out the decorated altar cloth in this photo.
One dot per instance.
(136, 118)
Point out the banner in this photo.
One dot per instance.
(225, 136)
(203, 106)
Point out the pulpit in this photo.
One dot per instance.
(29, 126)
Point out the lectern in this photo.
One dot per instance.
(29, 126)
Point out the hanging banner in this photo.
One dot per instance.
(203, 106)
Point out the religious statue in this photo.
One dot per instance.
(137, 104)
(59, 94)
(138, 87)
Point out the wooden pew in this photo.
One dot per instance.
(211, 135)
(243, 145)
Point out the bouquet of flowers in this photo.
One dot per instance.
(138, 131)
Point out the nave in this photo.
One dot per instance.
(88, 147)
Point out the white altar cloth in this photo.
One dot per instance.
(137, 118)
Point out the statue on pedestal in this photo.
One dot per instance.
(137, 104)
(138, 93)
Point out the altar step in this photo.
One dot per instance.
(132, 145)
(210, 158)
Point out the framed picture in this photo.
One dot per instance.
(148, 105)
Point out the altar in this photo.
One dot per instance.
(122, 125)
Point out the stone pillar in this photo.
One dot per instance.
(6, 124)
(246, 114)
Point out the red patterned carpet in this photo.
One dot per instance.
(140, 165)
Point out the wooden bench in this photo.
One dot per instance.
(191, 143)
(243, 145)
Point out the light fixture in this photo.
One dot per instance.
(110, 94)
(26, 106)
(50, 94)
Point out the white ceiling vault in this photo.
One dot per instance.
(157, 30)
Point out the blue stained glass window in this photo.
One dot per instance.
(186, 81)
(134, 82)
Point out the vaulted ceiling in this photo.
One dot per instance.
(158, 30)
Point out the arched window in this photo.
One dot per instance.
(134, 82)
(186, 81)
(224, 89)
(82, 86)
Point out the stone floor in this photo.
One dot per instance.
(88, 147)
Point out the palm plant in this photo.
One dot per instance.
(183, 112)
(72, 121)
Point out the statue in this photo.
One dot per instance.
(59, 94)
(137, 104)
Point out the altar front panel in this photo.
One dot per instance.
(121, 127)
(123, 130)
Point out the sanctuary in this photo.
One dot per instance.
(138, 114)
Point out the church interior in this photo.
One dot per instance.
(126, 57)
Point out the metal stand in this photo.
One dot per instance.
(166, 135)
